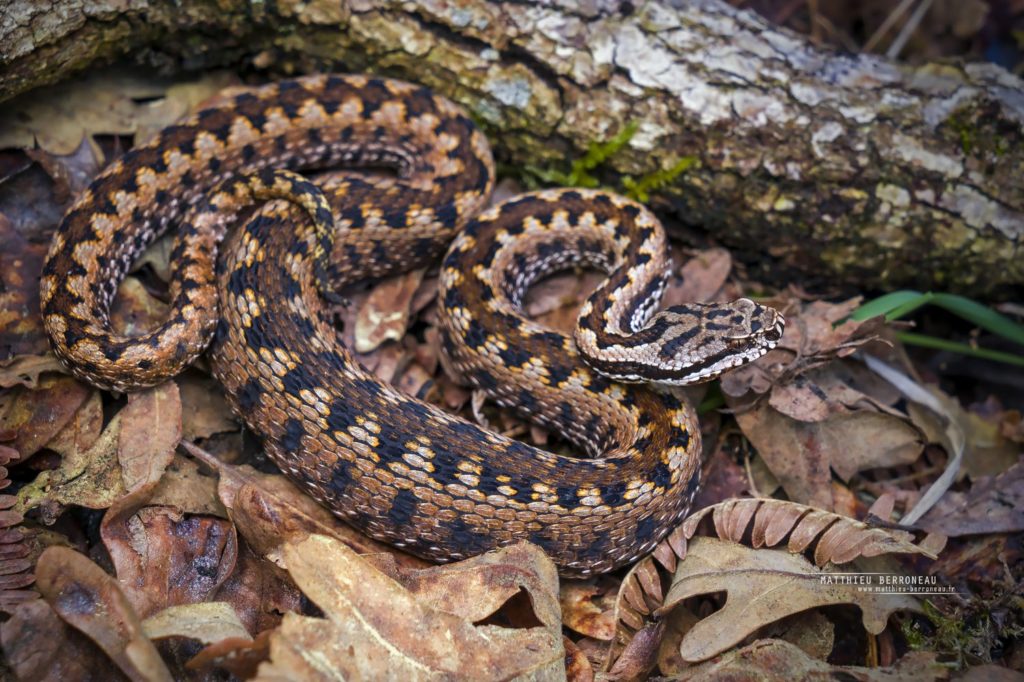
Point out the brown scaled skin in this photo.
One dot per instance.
(405, 472)
(416, 477)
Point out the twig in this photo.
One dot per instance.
(202, 455)
(812, 10)
(889, 22)
(908, 29)
(914, 391)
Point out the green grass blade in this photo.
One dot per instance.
(899, 304)
(885, 305)
(925, 341)
(982, 316)
(713, 399)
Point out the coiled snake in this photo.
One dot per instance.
(403, 471)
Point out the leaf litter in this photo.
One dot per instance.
(199, 558)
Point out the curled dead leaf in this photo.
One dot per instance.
(239, 656)
(577, 667)
(25, 370)
(839, 539)
(639, 596)
(259, 591)
(639, 656)
(16, 562)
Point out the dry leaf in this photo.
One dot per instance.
(677, 624)
(131, 452)
(813, 633)
(772, 660)
(639, 656)
(803, 454)
(108, 102)
(21, 262)
(88, 478)
(990, 430)
(24, 370)
(554, 302)
(577, 667)
(36, 416)
(259, 591)
(377, 628)
(91, 601)
(187, 489)
(208, 622)
(39, 646)
(722, 477)
(82, 432)
(994, 504)
(239, 656)
(762, 586)
(204, 409)
(836, 539)
(585, 614)
(385, 314)
(640, 594)
(150, 430)
(166, 558)
(134, 310)
(824, 391)
(16, 560)
(700, 278)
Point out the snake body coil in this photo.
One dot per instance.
(403, 471)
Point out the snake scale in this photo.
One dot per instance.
(403, 471)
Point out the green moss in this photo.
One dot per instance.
(975, 139)
(966, 131)
(968, 636)
(581, 171)
(641, 188)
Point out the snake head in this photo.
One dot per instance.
(700, 341)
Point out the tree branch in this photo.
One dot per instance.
(848, 170)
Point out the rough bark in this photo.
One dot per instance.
(851, 168)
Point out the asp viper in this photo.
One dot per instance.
(403, 471)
